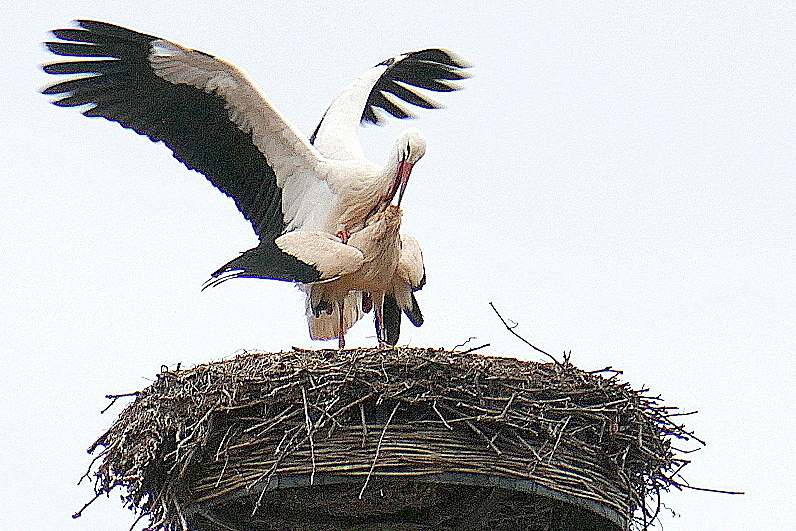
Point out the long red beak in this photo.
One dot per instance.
(404, 170)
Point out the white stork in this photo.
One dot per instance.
(376, 260)
(216, 122)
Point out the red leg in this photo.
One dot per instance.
(340, 324)
(378, 304)
(367, 302)
(344, 235)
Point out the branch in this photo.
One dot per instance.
(684, 486)
(79, 513)
(511, 329)
(114, 398)
(473, 349)
(378, 449)
(463, 344)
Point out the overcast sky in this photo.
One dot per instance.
(618, 178)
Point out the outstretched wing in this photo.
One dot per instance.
(387, 86)
(204, 109)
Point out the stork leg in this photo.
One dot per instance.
(378, 305)
(367, 302)
(344, 235)
(340, 325)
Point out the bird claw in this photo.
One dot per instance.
(367, 302)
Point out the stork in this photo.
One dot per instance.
(216, 122)
(374, 260)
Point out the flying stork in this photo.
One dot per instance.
(216, 122)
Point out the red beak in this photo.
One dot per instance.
(404, 170)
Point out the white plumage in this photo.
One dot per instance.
(376, 262)
(216, 122)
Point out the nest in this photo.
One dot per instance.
(394, 439)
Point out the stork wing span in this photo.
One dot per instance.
(387, 86)
(204, 109)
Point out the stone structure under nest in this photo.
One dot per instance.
(393, 439)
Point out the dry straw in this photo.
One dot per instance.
(411, 438)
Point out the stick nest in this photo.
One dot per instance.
(406, 438)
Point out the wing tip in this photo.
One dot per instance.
(219, 277)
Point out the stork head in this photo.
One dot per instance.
(411, 145)
(409, 148)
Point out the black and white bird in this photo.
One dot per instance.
(377, 260)
(216, 122)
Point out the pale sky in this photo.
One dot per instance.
(619, 178)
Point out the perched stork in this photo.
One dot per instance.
(216, 122)
(373, 260)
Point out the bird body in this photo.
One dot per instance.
(374, 261)
(379, 244)
(216, 122)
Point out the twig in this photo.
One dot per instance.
(684, 486)
(299, 349)
(176, 505)
(79, 513)
(87, 474)
(445, 422)
(511, 329)
(558, 440)
(378, 449)
(463, 344)
(489, 442)
(140, 516)
(474, 349)
(114, 398)
(309, 427)
(508, 404)
(364, 424)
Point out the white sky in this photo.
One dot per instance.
(619, 180)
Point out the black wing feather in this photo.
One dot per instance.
(392, 319)
(194, 124)
(409, 96)
(414, 314)
(427, 69)
(432, 69)
(266, 261)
